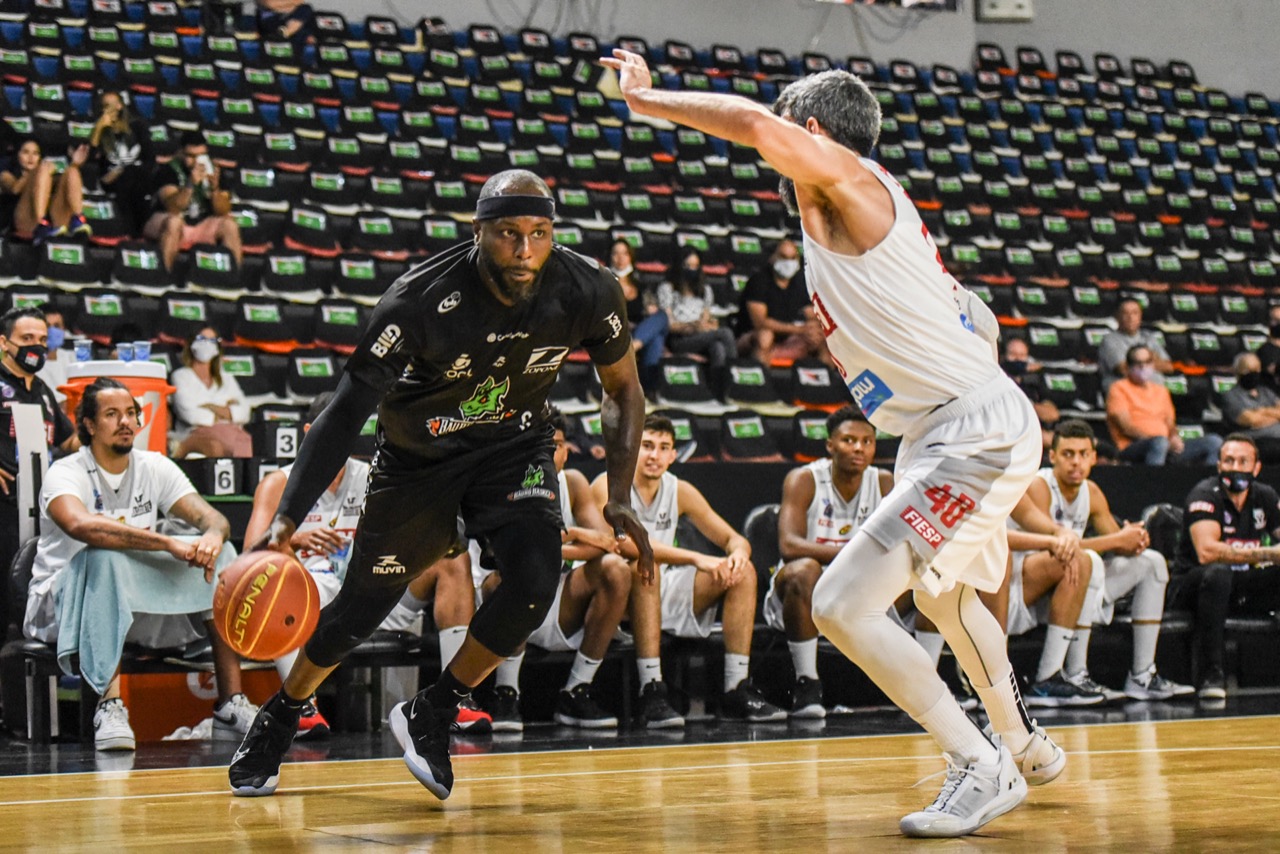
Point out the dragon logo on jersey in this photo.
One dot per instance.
(485, 406)
(531, 486)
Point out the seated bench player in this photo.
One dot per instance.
(100, 509)
(1122, 562)
(589, 605)
(323, 542)
(823, 504)
(690, 584)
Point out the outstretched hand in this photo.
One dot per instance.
(633, 72)
(625, 524)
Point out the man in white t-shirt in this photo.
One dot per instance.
(110, 496)
(918, 353)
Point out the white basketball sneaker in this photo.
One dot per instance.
(111, 730)
(233, 717)
(1041, 761)
(972, 795)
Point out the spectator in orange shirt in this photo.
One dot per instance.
(1140, 415)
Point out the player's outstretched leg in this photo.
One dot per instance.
(850, 603)
(255, 767)
(423, 732)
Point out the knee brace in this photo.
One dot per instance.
(530, 570)
(348, 620)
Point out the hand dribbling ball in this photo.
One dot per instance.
(265, 605)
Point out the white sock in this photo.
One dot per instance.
(1078, 652)
(583, 671)
(1003, 704)
(285, 663)
(1054, 655)
(508, 672)
(804, 657)
(1145, 636)
(933, 643)
(955, 733)
(735, 670)
(450, 642)
(649, 670)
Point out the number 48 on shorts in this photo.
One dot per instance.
(949, 508)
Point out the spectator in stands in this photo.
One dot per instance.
(41, 203)
(823, 504)
(97, 507)
(649, 323)
(54, 372)
(1116, 344)
(23, 339)
(211, 409)
(1141, 417)
(1253, 406)
(776, 320)
(323, 544)
(1228, 555)
(1269, 352)
(290, 20)
(687, 299)
(1122, 560)
(592, 599)
(120, 147)
(691, 586)
(188, 205)
(1025, 371)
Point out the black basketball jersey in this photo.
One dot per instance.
(459, 369)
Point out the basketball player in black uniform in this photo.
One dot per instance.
(461, 351)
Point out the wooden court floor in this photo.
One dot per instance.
(1190, 785)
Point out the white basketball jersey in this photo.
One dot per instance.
(832, 520)
(1074, 514)
(659, 518)
(566, 507)
(901, 328)
(339, 511)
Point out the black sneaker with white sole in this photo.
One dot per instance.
(255, 767)
(423, 732)
(748, 704)
(656, 711)
(576, 707)
(806, 699)
(505, 709)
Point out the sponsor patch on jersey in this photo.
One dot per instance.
(449, 303)
(485, 406)
(615, 323)
(1201, 507)
(387, 340)
(869, 392)
(922, 526)
(545, 359)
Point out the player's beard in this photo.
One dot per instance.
(519, 292)
(787, 190)
(122, 449)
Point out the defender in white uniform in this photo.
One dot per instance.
(323, 543)
(918, 353)
(690, 584)
(823, 504)
(586, 611)
(1066, 493)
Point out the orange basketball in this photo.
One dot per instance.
(265, 604)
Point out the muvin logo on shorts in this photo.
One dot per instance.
(869, 391)
(388, 565)
(531, 486)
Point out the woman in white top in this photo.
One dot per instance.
(687, 300)
(209, 406)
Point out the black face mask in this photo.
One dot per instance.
(1251, 380)
(1015, 367)
(1275, 331)
(1236, 481)
(31, 357)
(690, 275)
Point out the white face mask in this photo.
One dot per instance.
(786, 268)
(204, 350)
(622, 271)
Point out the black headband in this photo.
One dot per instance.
(496, 207)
